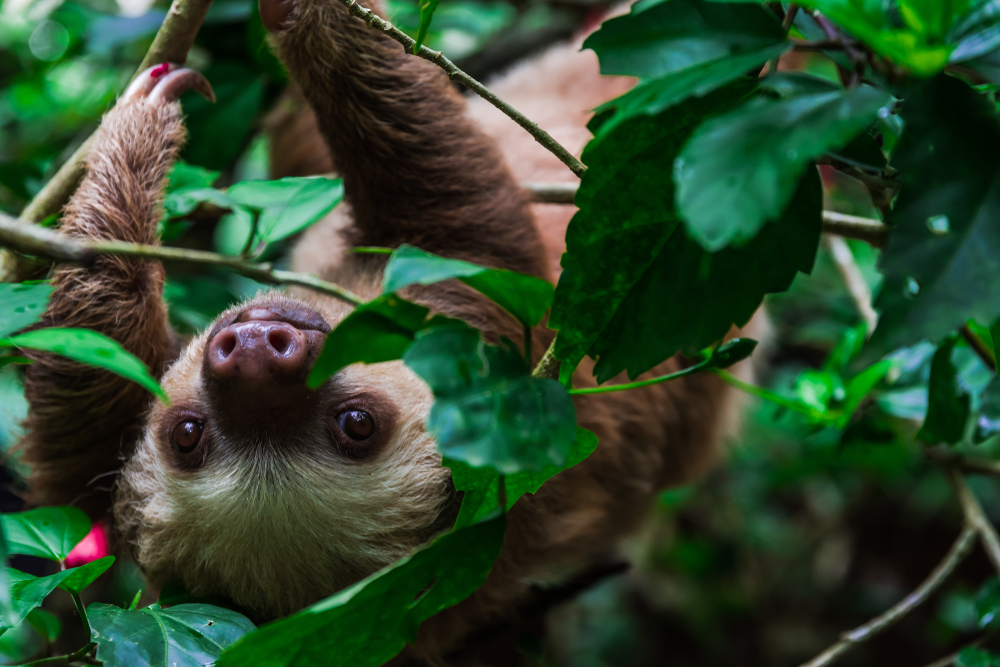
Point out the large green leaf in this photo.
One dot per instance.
(870, 21)
(943, 257)
(90, 348)
(370, 622)
(27, 593)
(488, 410)
(85, 575)
(481, 486)
(653, 96)
(525, 297)
(286, 206)
(681, 34)
(188, 635)
(48, 532)
(948, 399)
(379, 330)
(740, 170)
(22, 305)
(634, 288)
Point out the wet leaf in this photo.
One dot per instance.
(48, 532)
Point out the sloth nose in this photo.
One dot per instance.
(257, 353)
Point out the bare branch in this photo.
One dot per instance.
(34, 240)
(959, 550)
(975, 516)
(854, 281)
(980, 348)
(551, 193)
(455, 74)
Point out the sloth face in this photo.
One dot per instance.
(254, 487)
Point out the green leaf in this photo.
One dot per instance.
(47, 625)
(481, 486)
(976, 657)
(869, 21)
(680, 34)
(188, 635)
(22, 305)
(85, 575)
(653, 96)
(48, 532)
(287, 206)
(634, 288)
(427, 8)
(90, 348)
(488, 411)
(931, 18)
(525, 297)
(943, 256)
(184, 176)
(740, 170)
(988, 602)
(988, 421)
(27, 593)
(370, 622)
(6, 603)
(948, 399)
(218, 132)
(377, 331)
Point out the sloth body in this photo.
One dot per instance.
(252, 487)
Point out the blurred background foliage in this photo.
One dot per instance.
(804, 532)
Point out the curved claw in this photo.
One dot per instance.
(147, 80)
(179, 81)
(275, 14)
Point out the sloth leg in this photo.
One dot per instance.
(81, 420)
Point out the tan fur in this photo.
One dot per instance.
(276, 523)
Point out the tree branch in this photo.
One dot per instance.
(853, 280)
(848, 640)
(455, 74)
(975, 517)
(34, 240)
(171, 44)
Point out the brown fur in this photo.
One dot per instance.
(276, 525)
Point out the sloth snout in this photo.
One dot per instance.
(257, 353)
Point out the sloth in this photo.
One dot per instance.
(250, 486)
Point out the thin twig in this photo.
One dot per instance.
(827, 45)
(33, 240)
(853, 279)
(975, 516)
(455, 74)
(551, 193)
(976, 343)
(872, 232)
(793, 9)
(848, 640)
(80, 655)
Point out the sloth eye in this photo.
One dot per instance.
(186, 436)
(357, 424)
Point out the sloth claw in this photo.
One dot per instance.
(166, 82)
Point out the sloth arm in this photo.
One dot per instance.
(82, 421)
(415, 169)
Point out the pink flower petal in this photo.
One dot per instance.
(90, 548)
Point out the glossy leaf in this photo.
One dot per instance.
(85, 575)
(942, 258)
(286, 206)
(481, 486)
(488, 411)
(46, 624)
(188, 635)
(988, 602)
(47, 532)
(370, 622)
(525, 297)
(634, 288)
(948, 399)
(27, 593)
(741, 169)
(674, 36)
(90, 348)
(22, 305)
(869, 21)
(377, 331)
(427, 8)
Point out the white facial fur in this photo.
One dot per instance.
(276, 525)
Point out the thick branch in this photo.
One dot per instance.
(455, 74)
(959, 550)
(33, 240)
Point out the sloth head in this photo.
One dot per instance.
(251, 486)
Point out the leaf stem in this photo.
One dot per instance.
(34, 240)
(79, 655)
(767, 394)
(786, 23)
(690, 370)
(80, 609)
(455, 74)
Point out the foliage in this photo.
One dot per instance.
(704, 196)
